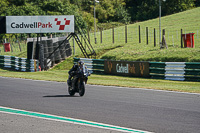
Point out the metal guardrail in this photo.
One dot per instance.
(19, 64)
(182, 71)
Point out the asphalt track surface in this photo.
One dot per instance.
(135, 108)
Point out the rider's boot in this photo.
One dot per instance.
(69, 81)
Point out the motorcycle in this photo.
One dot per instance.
(77, 84)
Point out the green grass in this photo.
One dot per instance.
(180, 86)
(62, 76)
(56, 75)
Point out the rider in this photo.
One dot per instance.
(73, 71)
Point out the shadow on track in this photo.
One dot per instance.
(59, 96)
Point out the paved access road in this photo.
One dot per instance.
(148, 110)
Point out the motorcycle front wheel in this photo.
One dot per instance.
(71, 91)
(82, 89)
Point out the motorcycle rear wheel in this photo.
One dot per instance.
(82, 89)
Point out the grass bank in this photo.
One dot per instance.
(188, 21)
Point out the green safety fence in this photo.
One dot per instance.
(19, 64)
(181, 71)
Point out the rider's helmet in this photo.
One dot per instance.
(80, 64)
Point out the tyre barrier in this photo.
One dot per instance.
(48, 51)
(57, 56)
(62, 49)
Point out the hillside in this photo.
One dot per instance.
(188, 21)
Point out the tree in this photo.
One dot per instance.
(175, 6)
(197, 3)
(122, 15)
(149, 9)
(3, 6)
(17, 2)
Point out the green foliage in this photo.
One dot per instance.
(17, 2)
(39, 7)
(89, 18)
(53, 7)
(148, 9)
(122, 15)
(197, 3)
(175, 6)
(3, 7)
(105, 11)
(108, 11)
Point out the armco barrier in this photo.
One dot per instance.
(20, 64)
(183, 71)
(157, 70)
(192, 71)
(93, 65)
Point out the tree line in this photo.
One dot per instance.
(122, 11)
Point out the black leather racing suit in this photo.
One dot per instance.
(72, 72)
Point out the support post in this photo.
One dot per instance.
(41, 55)
(164, 43)
(181, 39)
(74, 45)
(19, 45)
(11, 46)
(89, 36)
(147, 35)
(139, 34)
(126, 34)
(101, 35)
(113, 35)
(154, 37)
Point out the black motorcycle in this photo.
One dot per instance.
(77, 84)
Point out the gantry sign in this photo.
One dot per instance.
(37, 24)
